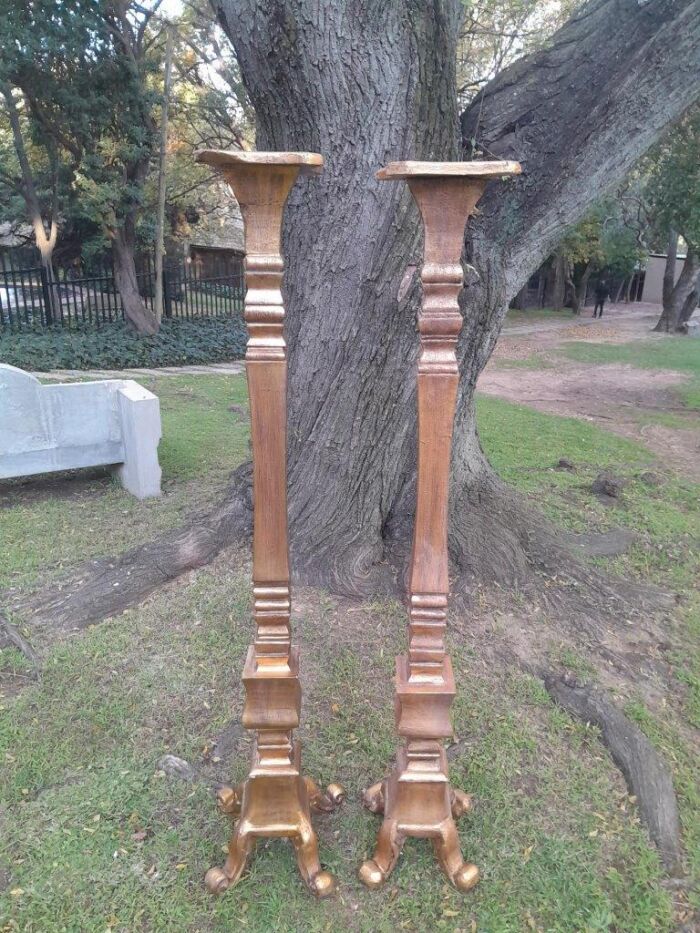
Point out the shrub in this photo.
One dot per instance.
(115, 346)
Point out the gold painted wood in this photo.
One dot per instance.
(417, 799)
(275, 800)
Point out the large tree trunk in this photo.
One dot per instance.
(135, 311)
(679, 296)
(365, 82)
(45, 244)
(555, 292)
(45, 241)
(582, 287)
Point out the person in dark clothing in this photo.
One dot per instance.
(601, 294)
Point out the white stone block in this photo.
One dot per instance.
(65, 426)
(140, 420)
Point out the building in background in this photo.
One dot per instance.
(214, 240)
(654, 277)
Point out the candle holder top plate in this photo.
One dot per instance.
(399, 170)
(310, 163)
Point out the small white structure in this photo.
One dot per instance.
(654, 277)
(44, 428)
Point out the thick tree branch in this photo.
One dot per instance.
(578, 114)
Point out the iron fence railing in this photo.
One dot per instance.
(32, 298)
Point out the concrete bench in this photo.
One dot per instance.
(113, 422)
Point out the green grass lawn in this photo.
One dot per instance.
(94, 838)
(203, 441)
(664, 352)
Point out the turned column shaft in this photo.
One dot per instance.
(272, 706)
(266, 370)
(275, 800)
(439, 324)
(416, 799)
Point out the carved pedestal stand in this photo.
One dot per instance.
(275, 800)
(416, 799)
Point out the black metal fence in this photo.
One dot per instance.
(73, 296)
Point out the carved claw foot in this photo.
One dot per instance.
(216, 881)
(461, 803)
(374, 872)
(466, 877)
(463, 875)
(320, 883)
(373, 798)
(240, 847)
(229, 799)
(371, 875)
(336, 794)
(324, 803)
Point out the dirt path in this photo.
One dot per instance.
(209, 369)
(619, 397)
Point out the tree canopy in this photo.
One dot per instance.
(83, 80)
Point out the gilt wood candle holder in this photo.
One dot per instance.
(417, 799)
(274, 800)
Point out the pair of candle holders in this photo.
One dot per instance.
(416, 799)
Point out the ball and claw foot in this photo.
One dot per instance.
(322, 884)
(466, 877)
(324, 803)
(371, 875)
(336, 793)
(461, 803)
(373, 798)
(228, 799)
(216, 881)
(463, 875)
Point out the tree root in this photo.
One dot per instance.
(10, 636)
(645, 772)
(107, 587)
(495, 538)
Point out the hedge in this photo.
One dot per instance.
(115, 346)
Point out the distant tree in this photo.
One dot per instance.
(603, 243)
(30, 182)
(213, 105)
(80, 107)
(209, 109)
(85, 72)
(582, 247)
(673, 194)
(494, 33)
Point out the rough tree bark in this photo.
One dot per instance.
(364, 82)
(582, 287)
(678, 298)
(576, 294)
(669, 279)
